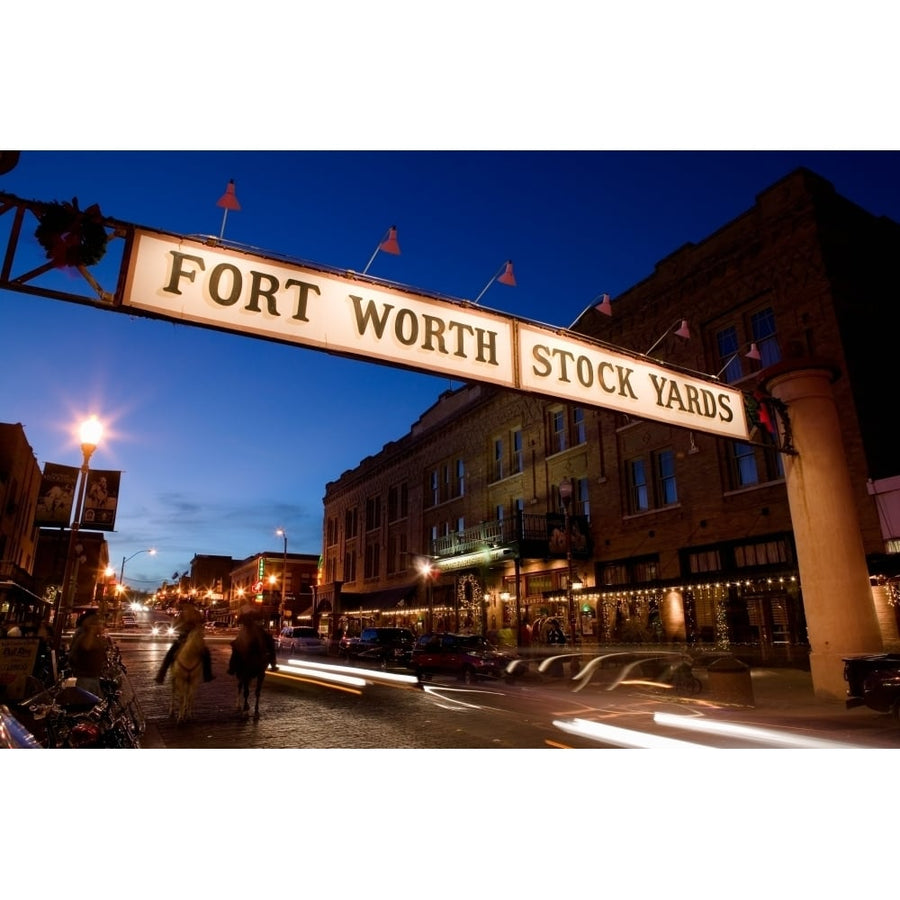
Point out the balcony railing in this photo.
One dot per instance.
(529, 531)
(9, 571)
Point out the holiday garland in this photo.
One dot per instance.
(70, 236)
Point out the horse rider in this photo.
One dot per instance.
(188, 619)
(249, 621)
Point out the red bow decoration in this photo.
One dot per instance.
(762, 412)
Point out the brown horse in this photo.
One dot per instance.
(187, 673)
(252, 652)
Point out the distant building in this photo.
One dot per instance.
(257, 582)
(210, 580)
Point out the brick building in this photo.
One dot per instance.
(20, 482)
(673, 535)
(210, 581)
(257, 580)
(92, 587)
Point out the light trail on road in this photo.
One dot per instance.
(768, 736)
(625, 737)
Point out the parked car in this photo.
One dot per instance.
(387, 647)
(301, 639)
(874, 681)
(467, 656)
(216, 627)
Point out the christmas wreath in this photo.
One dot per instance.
(71, 236)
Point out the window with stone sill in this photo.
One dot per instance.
(446, 482)
(373, 513)
(398, 502)
(507, 455)
(373, 560)
(651, 480)
(566, 427)
(350, 565)
(755, 463)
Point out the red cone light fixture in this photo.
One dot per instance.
(388, 244)
(504, 275)
(229, 200)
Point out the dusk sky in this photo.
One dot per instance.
(224, 438)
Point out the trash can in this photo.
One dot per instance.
(728, 680)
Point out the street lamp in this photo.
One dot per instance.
(427, 573)
(108, 573)
(90, 432)
(283, 533)
(566, 489)
(121, 587)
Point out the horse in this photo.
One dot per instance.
(252, 652)
(187, 673)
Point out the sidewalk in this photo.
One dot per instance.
(784, 698)
(779, 697)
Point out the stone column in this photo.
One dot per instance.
(837, 597)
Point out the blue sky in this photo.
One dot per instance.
(224, 438)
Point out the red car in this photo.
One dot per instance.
(467, 656)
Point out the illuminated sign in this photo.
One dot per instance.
(472, 560)
(590, 374)
(196, 283)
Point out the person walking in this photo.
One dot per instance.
(87, 658)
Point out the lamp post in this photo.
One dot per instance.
(566, 489)
(121, 588)
(505, 597)
(90, 432)
(108, 573)
(283, 534)
(427, 574)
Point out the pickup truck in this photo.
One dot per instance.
(874, 681)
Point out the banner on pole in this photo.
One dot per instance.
(54, 506)
(101, 500)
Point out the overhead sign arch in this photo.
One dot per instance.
(343, 313)
(201, 281)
